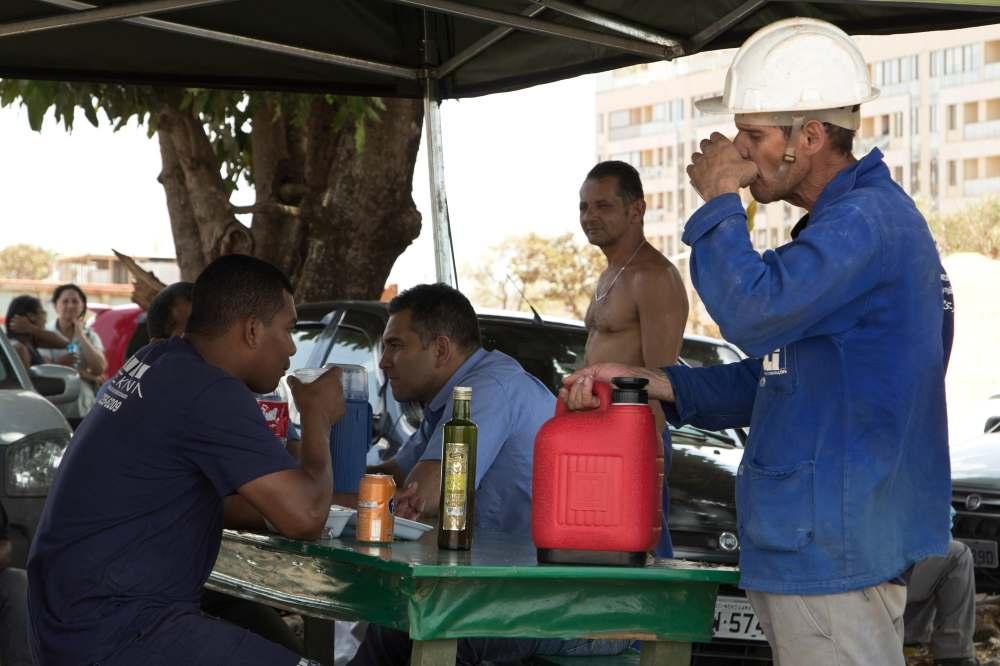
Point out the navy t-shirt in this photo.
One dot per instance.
(132, 525)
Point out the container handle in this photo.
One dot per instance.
(603, 392)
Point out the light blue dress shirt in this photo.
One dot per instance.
(509, 405)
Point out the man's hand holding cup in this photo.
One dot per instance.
(318, 392)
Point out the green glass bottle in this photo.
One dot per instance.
(458, 475)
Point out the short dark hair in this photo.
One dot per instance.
(21, 305)
(232, 287)
(159, 321)
(629, 184)
(63, 287)
(841, 139)
(438, 309)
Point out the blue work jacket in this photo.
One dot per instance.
(845, 480)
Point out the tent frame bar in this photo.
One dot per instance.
(480, 45)
(258, 44)
(100, 15)
(542, 27)
(626, 28)
(724, 23)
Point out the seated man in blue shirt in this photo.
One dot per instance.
(432, 344)
(175, 449)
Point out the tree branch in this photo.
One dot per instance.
(267, 207)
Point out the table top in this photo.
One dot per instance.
(493, 555)
(496, 589)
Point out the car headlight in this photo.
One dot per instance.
(32, 462)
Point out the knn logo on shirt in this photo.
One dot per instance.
(126, 382)
(774, 363)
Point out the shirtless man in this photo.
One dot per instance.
(639, 308)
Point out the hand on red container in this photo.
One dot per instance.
(578, 388)
(409, 504)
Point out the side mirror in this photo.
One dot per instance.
(58, 383)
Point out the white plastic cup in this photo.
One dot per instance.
(308, 375)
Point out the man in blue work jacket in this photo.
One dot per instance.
(845, 480)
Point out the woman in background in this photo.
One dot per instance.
(85, 351)
(24, 322)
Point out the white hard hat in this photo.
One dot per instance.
(793, 66)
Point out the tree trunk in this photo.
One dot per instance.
(333, 219)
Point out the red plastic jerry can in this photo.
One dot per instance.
(597, 479)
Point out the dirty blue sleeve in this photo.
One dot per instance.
(766, 301)
(713, 398)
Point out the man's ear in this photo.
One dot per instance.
(443, 350)
(252, 331)
(813, 137)
(639, 208)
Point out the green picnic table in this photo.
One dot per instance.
(496, 589)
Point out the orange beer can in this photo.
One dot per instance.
(376, 506)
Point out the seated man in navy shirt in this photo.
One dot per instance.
(432, 344)
(175, 449)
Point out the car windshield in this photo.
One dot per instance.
(703, 353)
(305, 336)
(547, 352)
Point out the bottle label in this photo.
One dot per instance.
(456, 473)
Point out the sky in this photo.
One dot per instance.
(513, 164)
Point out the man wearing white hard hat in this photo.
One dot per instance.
(845, 481)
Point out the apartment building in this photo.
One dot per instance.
(937, 121)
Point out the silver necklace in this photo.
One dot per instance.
(599, 296)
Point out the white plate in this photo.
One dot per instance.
(403, 528)
(335, 522)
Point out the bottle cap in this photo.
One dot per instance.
(629, 390)
(462, 393)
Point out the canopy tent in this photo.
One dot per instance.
(434, 49)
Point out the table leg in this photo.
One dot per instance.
(319, 635)
(665, 653)
(434, 653)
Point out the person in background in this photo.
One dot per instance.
(14, 650)
(25, 324)
(640, 307)
(941, 606)
(169, 311)
(85, 352)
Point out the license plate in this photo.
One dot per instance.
(984, 552)
(734, 618)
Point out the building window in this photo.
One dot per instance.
(952, 173)
(885, 125)
(914, 120)
(897, 123)
(934, 177)
(932, 118)
(914, 177)
(897, 175)
(952, 116)
(618, 118)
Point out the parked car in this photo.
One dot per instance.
(116, 327)
(33, 437)
(975, 496)
(702, 476)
